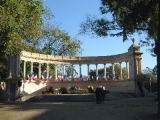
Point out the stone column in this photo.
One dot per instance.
(72, 72)
(31, 72)
(31, 67)
(39, 71)
(96, 71)
(127, 69)
(80, 72)
(47, 70)
(139, 66)
(105, 70)
(24, 70)
(113, 72)
(136, 66)
(64, 71)
(88, 68)
(120, 70)
(55, 71)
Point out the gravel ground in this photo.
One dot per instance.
(119, 109)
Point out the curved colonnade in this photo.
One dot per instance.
(65, 60)
(15, 84)
(132, 58)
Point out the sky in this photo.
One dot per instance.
(69, 14)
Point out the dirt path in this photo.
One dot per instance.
(120, 109)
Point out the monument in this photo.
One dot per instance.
(17, 84)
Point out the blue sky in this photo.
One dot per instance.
(70, 13)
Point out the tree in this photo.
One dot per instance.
(128, 17)
(154, 71)
(21, 28)
(19, 21)
(150, 79)
(54, 41)
(58, 42)
(71, 71)
(147, 77)
(109, 72)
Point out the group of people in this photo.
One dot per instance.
(100, 94)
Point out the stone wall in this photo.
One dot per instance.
(31, 89)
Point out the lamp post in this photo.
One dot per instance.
(150, 80)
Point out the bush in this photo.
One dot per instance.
(91, 89)
(153, 86)
(63, 90)
(50, 89)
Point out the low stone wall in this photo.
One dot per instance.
(35, 88)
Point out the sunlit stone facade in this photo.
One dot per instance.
(132, 59)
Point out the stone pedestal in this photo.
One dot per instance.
(13, 81)
(13, 88)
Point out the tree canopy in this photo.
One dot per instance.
(58, 42)
(22, 28)
(127, 17)
(19, 20)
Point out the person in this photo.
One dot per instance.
(103, 94)
(98, 94)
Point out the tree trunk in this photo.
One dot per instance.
(158, 62)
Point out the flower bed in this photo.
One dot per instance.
(70, 90)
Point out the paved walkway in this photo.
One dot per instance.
(119, 109)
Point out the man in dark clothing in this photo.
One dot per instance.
(98, 94)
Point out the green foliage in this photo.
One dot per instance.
(19, 21)
(154, 71)
(58, 42)
(63, 90)
(109, 72)
(71, 71)
(21, 29)
(54, 41)
(146, 79)
(123, 18)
